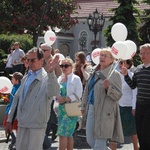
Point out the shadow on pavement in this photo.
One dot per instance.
(80, 140)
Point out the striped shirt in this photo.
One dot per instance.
(141, 80)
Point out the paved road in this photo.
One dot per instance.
(4, 146)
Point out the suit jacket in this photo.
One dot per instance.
(33, 111)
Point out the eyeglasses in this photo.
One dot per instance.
(143, 54)
(65, 66)
(44, 50)
(105, 56)
(32, 60)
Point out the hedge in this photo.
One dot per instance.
(6, 40)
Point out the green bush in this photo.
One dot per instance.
(6, 40)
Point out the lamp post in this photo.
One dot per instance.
(96, 23)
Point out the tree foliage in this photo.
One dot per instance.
(36, 15)
(145, 28)
(127, 14)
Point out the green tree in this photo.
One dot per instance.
(145, 28)
(127, 14)
(36, 15)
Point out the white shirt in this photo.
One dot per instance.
(16, 56)
(9, 61)
(129, 96)
(88, 58)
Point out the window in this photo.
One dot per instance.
(83, 41)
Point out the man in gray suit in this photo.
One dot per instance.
(33, 100)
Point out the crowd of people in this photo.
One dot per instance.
(111, 108)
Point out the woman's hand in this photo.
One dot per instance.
(124, 71)
(83, 67)
(60, 99)
(106, 84)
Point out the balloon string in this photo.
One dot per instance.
(12, 95)
(109, 75)
(110, 69)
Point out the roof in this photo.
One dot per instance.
(103, 6)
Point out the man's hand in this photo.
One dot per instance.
(8, 128)
(53, 63)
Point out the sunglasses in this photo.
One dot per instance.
(44, 50)
(32, 60)
(65, 66)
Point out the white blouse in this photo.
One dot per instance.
(129, 96)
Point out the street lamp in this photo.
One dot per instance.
(96, 23)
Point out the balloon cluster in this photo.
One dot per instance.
(122, 48)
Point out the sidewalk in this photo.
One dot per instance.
(4, 146)
(2, 134)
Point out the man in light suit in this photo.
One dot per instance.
(33, 100)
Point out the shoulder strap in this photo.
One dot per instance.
(100, 76)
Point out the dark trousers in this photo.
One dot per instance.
(142, 118)
(18, 68)
(8, 71)
(51, 125)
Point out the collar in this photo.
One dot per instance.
(146, 66)
(35, 73)
(69, 75)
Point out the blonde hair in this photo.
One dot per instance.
(68, 60)
(107, 49)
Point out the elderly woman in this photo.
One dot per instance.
(70, 89)
(103, 119)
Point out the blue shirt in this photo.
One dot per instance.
(13, 91)
(91, 93)
(31, 77)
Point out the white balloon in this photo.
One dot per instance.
(57, 29)
(49, 37)
(61, 56)
(95, 56)
(5, 85)
(131, 49)
(119, 50)
(119, 32)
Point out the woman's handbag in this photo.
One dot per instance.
(74, 108)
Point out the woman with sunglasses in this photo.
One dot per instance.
(101, 96)
(70, 89)
(127, 105)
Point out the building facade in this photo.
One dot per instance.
(79, 37)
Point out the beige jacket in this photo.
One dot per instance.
(107, 123)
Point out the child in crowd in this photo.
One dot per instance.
(16, 80)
